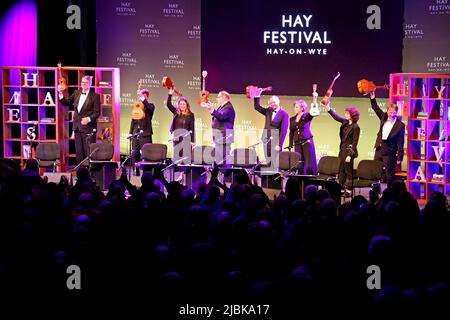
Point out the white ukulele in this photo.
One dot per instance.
(314, 110)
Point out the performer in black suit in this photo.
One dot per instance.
(182, 127)
(222, 125)
(349, 134)
(276, 119)
(390, 138)
(87, 109)
(301, 138)
(141, 130)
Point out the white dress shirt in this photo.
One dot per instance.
(387, 127)
(83, 97)
(274, 113)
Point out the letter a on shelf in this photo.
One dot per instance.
(48, 100)
(419, 174)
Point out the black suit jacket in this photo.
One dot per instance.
(279, 122)
(301, 130)
(393, 145)
(223, 120)
(189, 125)
(90, 108)
(144, 124)
(349, 136)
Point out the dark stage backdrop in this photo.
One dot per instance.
(148, 40)
(427, 40)
(257, 42)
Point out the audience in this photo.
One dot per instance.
(220, 244)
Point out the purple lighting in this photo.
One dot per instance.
(18, 35)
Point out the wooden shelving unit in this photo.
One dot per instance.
(426, 101)
(30, 100)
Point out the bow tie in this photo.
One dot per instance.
(83, 93)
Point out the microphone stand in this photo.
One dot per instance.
(87, 158)
(129, 156)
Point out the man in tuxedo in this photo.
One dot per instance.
(87, 109)
(275, 126)
(390, 138)
(141, 131)
(222, 125)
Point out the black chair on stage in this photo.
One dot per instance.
(288, 161)
(101, 165)
(328, 168)
(368, 172)
(203, 157)
(243, 159)
(152, 155)
(48, 155)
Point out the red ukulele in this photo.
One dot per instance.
(326, 98)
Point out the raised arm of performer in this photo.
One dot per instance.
(349, 134)
(390, 138)
(86, 105)
(301, 138)
(222, 125)
(184, 118)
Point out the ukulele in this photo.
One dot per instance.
(326, 98)
(138, 109)
(366, 86)
(314, 110)
(253, 91)
(203, 94)
(62, 82)
(167, 83)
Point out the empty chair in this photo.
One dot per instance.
(328, 167)
(101, 164)
(102, 151)
(152, 155)
(288, 160)
(368, 172)
(48, 154)
(243, 158)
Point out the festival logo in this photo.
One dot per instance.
(195, 83)
(173, 10)
(126, 60)
(149, 30)
(126, 8)
(194, 32)
(413, 31)
(439, 7)
(150, 81)
(439, 64)
(126, 99)
(296, 36)
(173, 61)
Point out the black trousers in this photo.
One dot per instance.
(345, 176)
(390, 164)
(307, 151)
(136, 146)
(82, 143)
